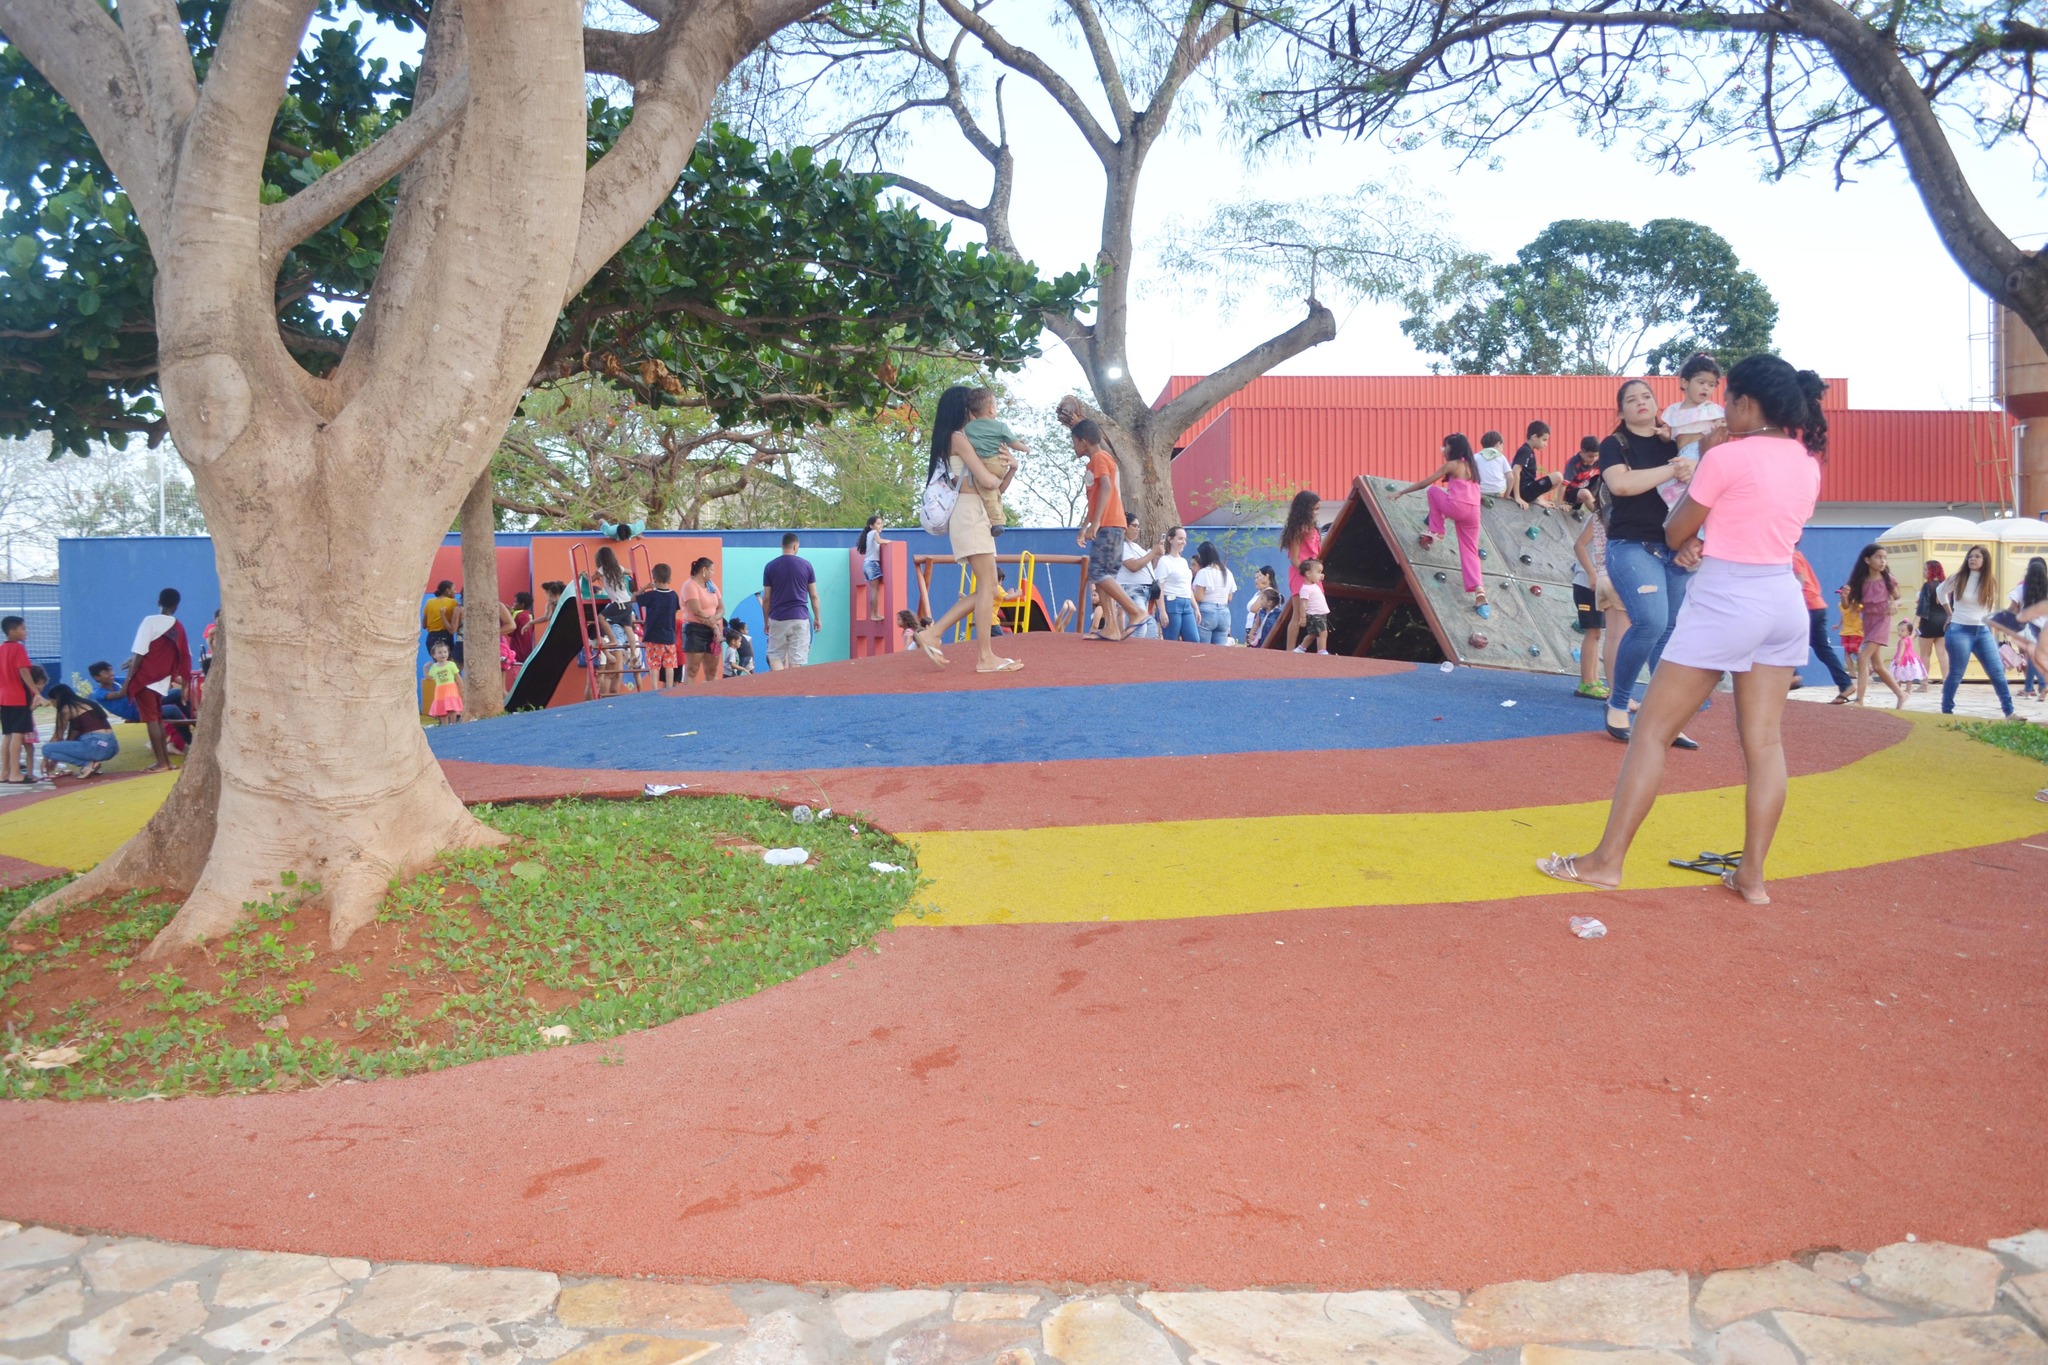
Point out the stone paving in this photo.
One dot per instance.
(100, 1301)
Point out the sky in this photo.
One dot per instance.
(1865, 290)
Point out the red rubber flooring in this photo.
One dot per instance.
(1414, 1096)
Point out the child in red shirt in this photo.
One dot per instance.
(18, 696)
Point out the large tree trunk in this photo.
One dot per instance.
(483, 680)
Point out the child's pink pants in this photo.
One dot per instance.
(1458, 499)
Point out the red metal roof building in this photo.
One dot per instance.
(1283, 433)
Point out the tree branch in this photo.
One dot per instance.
(229, 132)
(163, 60)
(607, 52)
(1106, 69)
(1180, 414)
(291, 222)
(959, 208)
(79, 50)
(1029, 64)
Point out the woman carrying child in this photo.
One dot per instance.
(1872, 587)
(969, 531)
(1647, 572)
(1299, 540)
(1454, 494)
(1745, 615)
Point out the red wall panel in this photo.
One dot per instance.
(1961, 457)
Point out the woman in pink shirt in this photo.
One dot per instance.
(1743, 614)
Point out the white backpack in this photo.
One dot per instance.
(935, 509)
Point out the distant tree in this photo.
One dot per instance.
(115, 493)
(1594, 297)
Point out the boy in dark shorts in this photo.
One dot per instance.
(18, 696)
(1103, 533)
(658, 608)
(1579, 472)
(1529, 484)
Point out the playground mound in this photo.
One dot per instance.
(602, 917)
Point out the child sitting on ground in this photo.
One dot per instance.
(1260, 616)
(907, 622)
(991, 436)
(1315, 606)
(739, 650)
(445, 702)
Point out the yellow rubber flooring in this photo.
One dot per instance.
(81, 827)
(1933, 792)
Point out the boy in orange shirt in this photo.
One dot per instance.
(1103, 533)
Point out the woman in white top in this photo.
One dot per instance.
(1177, 588)
(1971, 595)
(1214, 587)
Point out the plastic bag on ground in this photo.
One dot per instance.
(786, 857)
(1585, 926)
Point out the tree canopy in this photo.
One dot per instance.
(1594, 297)
(1805, 83)
(771, 288)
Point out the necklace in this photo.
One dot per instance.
(1758, 431)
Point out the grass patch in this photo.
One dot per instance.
(2021, 737)
(600, 918)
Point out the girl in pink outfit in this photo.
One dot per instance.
(1454, 494)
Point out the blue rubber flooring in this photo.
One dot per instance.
(1025, 725)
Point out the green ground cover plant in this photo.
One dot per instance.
(600, 918)
(2021, 737)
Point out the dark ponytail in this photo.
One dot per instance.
(1789, 398)
(949, 418)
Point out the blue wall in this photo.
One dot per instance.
(108, 584)
(1832, 552)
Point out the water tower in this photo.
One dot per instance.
(2020, 375)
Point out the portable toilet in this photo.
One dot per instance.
(2012, 542)
(1946, 540)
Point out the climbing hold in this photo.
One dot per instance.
(1390, 485)
(1534, 533)
(1535, 651)
(1442, 577)
(1476, 639)
(1527, 559)
(1482, 552)
(1535, 590)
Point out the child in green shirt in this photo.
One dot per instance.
(990, 436)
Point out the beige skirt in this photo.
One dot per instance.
(968, 530)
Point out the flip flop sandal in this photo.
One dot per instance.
(1564, 867)
(1004, 666)
(1684, 741)
(1841, 699)
(933, 653)
(2041, 795)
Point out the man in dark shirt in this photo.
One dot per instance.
(789, 603)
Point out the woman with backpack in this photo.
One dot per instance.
(1932, 616)
(953, 465)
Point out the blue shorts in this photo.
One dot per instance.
(871, 569)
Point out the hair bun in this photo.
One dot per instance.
(1812, 385)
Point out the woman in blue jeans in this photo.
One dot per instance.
(83, 738)
(1648, 575)
(1971, 595)
(1214, 587)
(1177, 589)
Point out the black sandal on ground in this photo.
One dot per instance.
(1684, 741)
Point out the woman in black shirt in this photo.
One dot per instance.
(1647, 574)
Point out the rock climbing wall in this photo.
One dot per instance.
(1526, 558)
